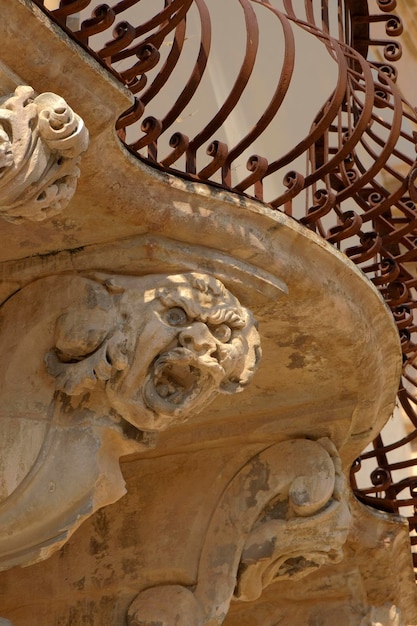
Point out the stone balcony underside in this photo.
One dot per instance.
(200, 493)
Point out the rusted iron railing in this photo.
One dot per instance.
(350, 176)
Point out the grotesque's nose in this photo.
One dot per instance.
(197, 337)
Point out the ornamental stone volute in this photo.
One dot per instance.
(41, 140)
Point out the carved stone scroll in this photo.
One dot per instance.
(282, 516)
(294, 537)
(96, 356)
(41, 140)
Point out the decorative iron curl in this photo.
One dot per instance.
(294, 181)
(324, 202)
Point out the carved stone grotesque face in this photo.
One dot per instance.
(164, 346)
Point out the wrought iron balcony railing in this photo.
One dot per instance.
(350, 176)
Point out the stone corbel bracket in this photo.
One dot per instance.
(90, 369)
(283, 515)
(41, 140)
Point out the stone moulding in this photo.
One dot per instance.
(284, 514)
(41, 140)
(96, 357)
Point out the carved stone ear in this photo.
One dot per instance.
(80, 332)
(251, 355)
(88, 346)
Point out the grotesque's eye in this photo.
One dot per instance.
(176, 316)
(223, 332)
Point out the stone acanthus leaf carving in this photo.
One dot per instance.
(41, 140)
(161, 346)
(283, 515)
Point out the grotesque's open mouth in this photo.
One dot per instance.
(172, 381)
(179, 379)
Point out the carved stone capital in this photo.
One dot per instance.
(41, 140)
(283, 515)
(96, 356)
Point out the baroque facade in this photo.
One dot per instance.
(206, 314)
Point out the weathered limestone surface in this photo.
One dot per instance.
(152, 540)
(386, 614)
(127, 326)
(362, 590)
